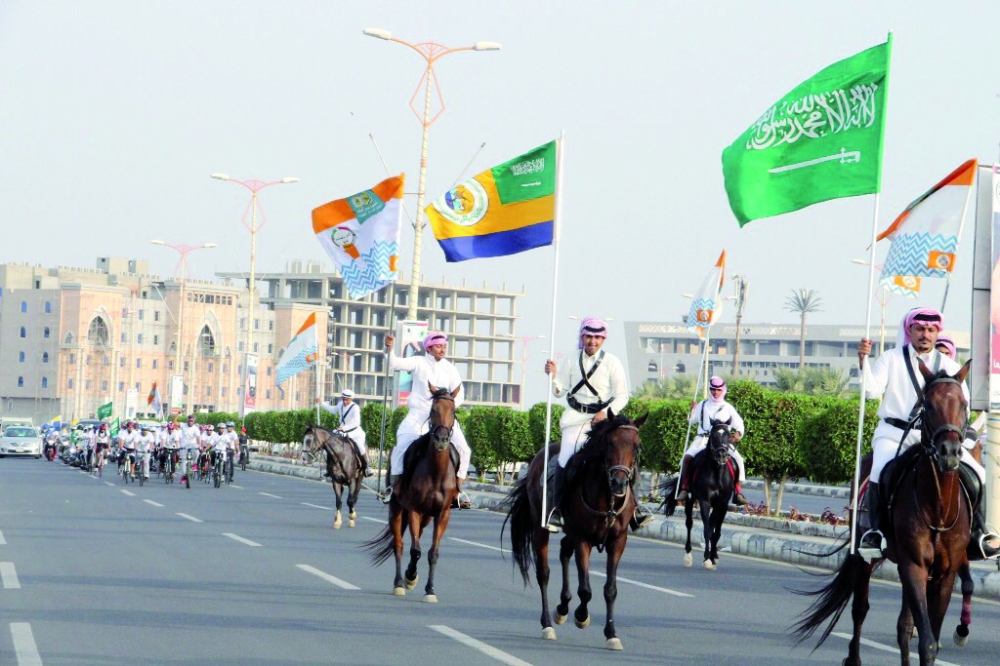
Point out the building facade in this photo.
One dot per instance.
(657, 350)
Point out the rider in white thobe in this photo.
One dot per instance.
(714, 408)
(348, 414)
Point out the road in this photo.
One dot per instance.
(254, 574)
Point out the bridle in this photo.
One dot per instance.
(436, 430)
(612, 513)
(725, 440)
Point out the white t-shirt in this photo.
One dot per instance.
(144, 443)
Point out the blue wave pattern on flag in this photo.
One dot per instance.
(296, 364)
(910, 255)
(363, 277)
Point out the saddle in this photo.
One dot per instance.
(699, 460)
(416, 452)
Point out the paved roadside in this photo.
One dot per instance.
(795, 542)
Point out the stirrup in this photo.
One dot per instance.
(868, 550)
(739, 499)
(387, 495)
(682, 495)
(641, 518)
(464, 502)
(981, 546)
(554, 524)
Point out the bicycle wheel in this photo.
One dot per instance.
(142, 475)
(217, 477)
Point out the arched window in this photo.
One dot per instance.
(679, 368)
(45, 357)
(69, 338)
(24, 306)
(45, 382)
(24, 332)
(206, 341)
(48, 307)
(45, 332)
(20, 357)
(97, 333)
(20, 382)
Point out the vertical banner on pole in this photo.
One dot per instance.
(250, 387)
(176, 393)
(410, 338)
(131, 403)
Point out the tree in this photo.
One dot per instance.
(803, 301)
(677, 387)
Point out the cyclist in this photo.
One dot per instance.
(244, 446)
(144, 444)
(172, 445)
(128, 443)
(219, 445)
(190, 435)
(103, 443)
(233, 442)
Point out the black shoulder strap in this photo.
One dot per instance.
(913, 380)
(587, 375)
(701, 417)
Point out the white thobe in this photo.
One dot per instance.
(442, 374)
(702, 415)
(609, 382)
(349, 422)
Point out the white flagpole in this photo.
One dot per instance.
(702, 366)
(552, 327)
(318, 393)
(961, 226)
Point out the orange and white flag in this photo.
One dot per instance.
(706, 307)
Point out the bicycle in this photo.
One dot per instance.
(168, 466)
(143, 468)
(127, 467)
(218, 471)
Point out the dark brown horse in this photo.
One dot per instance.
(342, 465)
(928, 533)
(425, 492)
(596, 510)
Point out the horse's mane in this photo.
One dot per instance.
(594, 448)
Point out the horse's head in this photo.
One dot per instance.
(945, 416)
(442, 415)
(617, 438)
(720, 437)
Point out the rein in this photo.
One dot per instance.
(612, 513)
(433, 429)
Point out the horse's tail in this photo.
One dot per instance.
(381, 547)
(831, 600)
(518, 508)
(669, 491)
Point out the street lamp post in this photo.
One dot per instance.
(181, 266)
(347, 368)
(884, 298)
(741, 297)
(430, 52)
(255, 186)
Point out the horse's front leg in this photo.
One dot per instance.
(541, 548)
(718, 518)
(938, 597)
(961, 635)
(913, 578)
(338, 490)
(565, 596)
(412, 577)
(440, 525)
(688, 523)
(352, 500)
(615, 550)
(581, 617)
(706, 523)
(396, 523)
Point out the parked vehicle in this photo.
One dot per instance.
(21, 441)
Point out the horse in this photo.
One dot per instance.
(426, 491)
(928, 528)
(342, 464)
(711, 486)
(597, 506)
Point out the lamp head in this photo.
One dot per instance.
(208, 246)
(157, 242)
(220, 176)
(289, 179)
(377, 32)
(486, 46)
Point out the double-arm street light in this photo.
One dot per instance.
(525, 341)
(255, 186)
(884, 298)
(431, 52)
(183, 251)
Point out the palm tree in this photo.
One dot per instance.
(803, 301)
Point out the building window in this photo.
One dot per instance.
(48, 307)
(208, 391)
(137, 387)
(141, 312)
(240, 347)
(107, 361)
(224, 391)
(86, 385)
(270, 325)
(69, 383)
(138, 338)
(24, 332)
(123, 337)
(104, 385)
(24, 307)
(20, 382)
(45, 357)
(154, 364)
(170, 365)
(138, 362)
(20, 357)
(186, 364)
(255, 347)
(206, 341)
(210, 366)
(268, 370)
(72, 359)
(45, 382)
(156, 340)
(268, 392)
(97, 332)
(156, 315)
(270, 348)
(121, 386)
(256, 324)
(121, 362)
(45, 332)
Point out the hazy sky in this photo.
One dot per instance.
(114, 114)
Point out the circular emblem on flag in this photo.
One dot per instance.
(464, 204)
(909, 281)
(942, 261)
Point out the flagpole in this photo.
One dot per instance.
(318, 398)
(552, 327)
(386, 391)
(697, 385)
(961, 226)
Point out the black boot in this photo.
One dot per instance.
(983, 545)
(873, 538)
(682, 480)
(554, 523)
(387, 496)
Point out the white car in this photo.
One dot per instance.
(21, 441)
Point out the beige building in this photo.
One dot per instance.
(72, 339)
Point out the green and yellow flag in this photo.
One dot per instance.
(821, 141)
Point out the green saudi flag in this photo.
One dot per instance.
(821, 141)
(115, 427)
(104, 412)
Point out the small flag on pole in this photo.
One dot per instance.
(361, 235)
(821, 141)
(104, 412)
(706, 307)
(302, 352)
(504, 210)
(153, 400)
(925, 236)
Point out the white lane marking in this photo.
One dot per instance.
(129, 493)
(233, 485)
(191, 518)
(269, 495)
(488, 650)
(8, 576)
(108, 483)
(152, 502)
(317, 506)
(327, 577)
(24, 644)
(3, 542)
(621, 579)
(237, 537)
(884, 648)
(375, 520)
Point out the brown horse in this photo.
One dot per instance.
(342, 465)
(596, 511)
(424, 492)
(928, 533)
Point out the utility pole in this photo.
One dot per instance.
(741, 297)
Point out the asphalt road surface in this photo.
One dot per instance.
(254, 574)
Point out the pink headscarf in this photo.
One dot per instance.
(592, 326)
(717, 383)
(925, 315)
(435, 338)
(949, 344)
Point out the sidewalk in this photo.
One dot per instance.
(794, 542)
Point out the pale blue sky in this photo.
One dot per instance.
(115, 113)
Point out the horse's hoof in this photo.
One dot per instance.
(352, 515)
(398, 592)
(430, 598)
(613, 644)
(337, 525)
(548, 634)
(350, 523)
(410, 584)
(688, 560)
(961, 641)
(561, 619)
(710, 565)
(582, 625)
